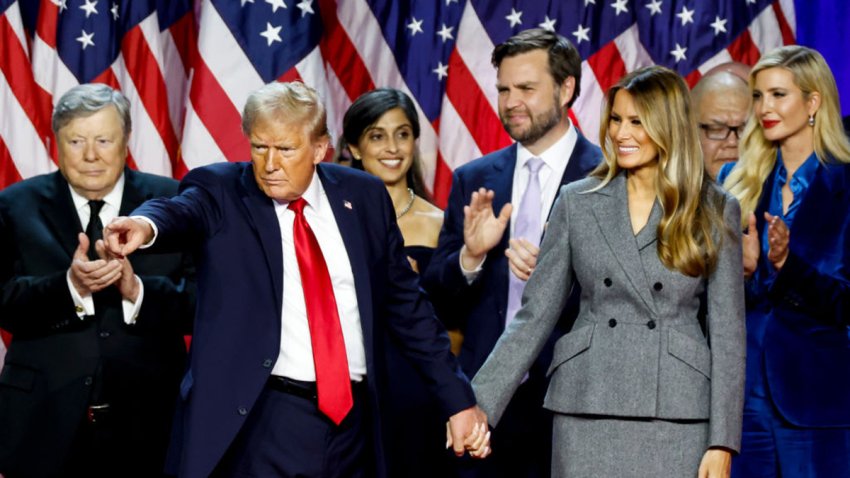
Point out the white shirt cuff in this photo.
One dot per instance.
(83, 305)
(131, 310)
(470, 275)
(153, 226)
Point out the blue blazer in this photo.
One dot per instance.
(807, 342)
(482, 305)
(231, 223)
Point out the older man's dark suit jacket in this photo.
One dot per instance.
(236, 339)
(481, 306)
(47, 380)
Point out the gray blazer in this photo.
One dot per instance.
(637, 348)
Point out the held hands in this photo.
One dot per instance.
(522, 258)
(482, 229)
(778, 237)
(716, 463)
(467, 430)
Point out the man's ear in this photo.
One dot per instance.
(320, 150)
(567, 90)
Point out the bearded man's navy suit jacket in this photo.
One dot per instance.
(222, 212)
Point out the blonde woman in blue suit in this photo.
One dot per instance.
(645, 384)
(793, 182)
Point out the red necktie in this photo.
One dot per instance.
(332, 379)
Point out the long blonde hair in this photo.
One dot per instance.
(691, 213)
(758, 154)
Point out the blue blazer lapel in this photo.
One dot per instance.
(351, 215)
(501, 180)
(818, 223)
(263, 220)
(612, 214)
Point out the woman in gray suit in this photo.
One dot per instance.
(649, 381)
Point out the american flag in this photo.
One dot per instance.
(187, 87)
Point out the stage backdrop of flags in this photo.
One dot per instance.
(187, 66)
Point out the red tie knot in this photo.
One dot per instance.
(298, 206)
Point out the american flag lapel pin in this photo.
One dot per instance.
(347, 204)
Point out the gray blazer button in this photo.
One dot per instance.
(650, 325)
(104, 334)
(88, 381)
(242, 411)
(267, 363)
(658, 286)
(607, 282)
(612, 322)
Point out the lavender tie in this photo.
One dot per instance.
(527, 226)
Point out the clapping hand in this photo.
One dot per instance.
(778, 237)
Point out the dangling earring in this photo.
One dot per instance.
(811, 120)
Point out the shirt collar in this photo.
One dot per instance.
(557, 153)
(803, 176)
(312, 195)
(112, 198)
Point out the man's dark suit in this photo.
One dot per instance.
(52, 362)
(237, 329)
(482, 305)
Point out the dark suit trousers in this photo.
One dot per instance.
(287, 436)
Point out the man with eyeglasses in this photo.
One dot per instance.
(722, 104)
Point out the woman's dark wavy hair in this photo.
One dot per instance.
(366, 111)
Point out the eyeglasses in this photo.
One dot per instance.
(720, 132)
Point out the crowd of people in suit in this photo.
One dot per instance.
(623, 310)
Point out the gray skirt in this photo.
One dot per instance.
(600, 447)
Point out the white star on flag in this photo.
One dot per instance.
(89, 7)
(687, 16)
(515, 17)
(272, 34)
(679, 53)
(306, 7)
(620, 6)
(581, 34)
(719, 25)
(548, 24)
(654, 7)
(446, 33)
(442, 70)
(86, 39)
(415, 26)
(276, 4)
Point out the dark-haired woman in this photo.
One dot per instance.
(380, 130)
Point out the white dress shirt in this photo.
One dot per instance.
(296, 351)
(111, 205)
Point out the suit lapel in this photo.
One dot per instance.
(611, 210)
(823, 208)
(347, 213)
(501, 180)
(263, 220)
(57, 209)
(134, 193)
